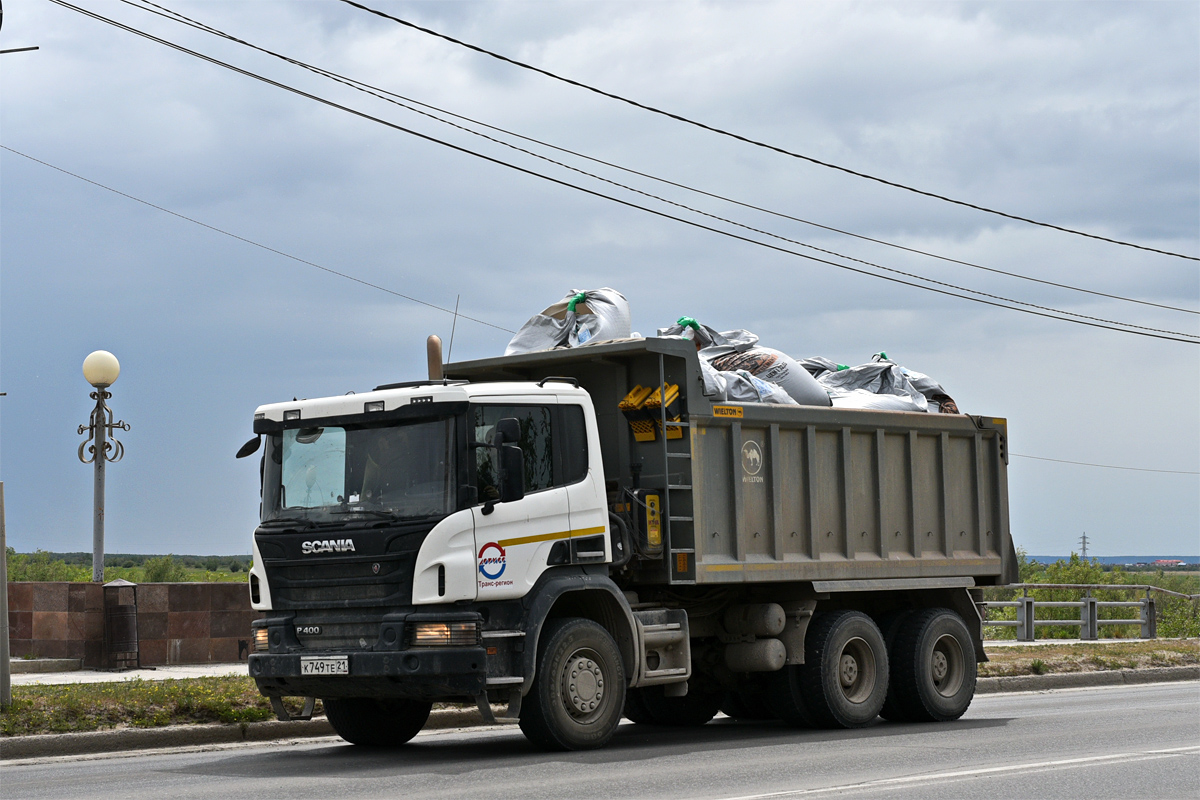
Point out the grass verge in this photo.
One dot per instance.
(138, 703)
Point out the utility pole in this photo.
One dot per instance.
(5, 664)
(1083, 543)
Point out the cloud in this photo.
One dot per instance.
(1082, 114)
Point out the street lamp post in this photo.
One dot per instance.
(100, 369)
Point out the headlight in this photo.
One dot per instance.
(260, 640)
(444, 634)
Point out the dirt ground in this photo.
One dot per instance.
(1046, 658)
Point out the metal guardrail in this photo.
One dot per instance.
(1089, 622)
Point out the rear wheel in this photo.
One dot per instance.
(579, 692)
(933, 668)
(376, 723)
(843, 681)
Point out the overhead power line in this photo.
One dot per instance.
(395, 99)
(457, 314)
(268, 248)
(595, 193)
(1107, 466)
(755, 142)
(422, 302)
(374, 92)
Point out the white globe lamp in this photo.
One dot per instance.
(101, 369)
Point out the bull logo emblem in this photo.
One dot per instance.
(751, 458)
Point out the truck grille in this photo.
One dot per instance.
(334, 635)
(343, 583)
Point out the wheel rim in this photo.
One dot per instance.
(947, 666)
(856, 670)
(583, 685)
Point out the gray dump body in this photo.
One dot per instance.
(756, 493)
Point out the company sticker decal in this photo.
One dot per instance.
(727, 411)
(492, 563)
(751, 462)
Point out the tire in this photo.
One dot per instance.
(376, 723)
(579, 691)
(890, 625)
(692, 710)
(933, 669)
(843, 681)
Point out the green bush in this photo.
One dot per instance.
(163, 569)
(1177, 617)
(40, 566)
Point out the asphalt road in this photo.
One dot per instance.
(1119, 742)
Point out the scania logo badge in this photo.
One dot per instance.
(327, 546)
(375, 568)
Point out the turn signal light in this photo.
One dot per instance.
(260, 640)
(445, 634)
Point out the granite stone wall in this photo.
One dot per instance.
(177, 623)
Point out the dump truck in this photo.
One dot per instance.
(568, 537)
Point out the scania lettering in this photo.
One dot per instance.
(328, 546)
(516, 532)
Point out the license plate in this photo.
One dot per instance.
(330, 665)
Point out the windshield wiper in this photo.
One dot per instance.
(388, 515)
(307, 523)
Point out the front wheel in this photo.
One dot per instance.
(579, 691)
(376, 723)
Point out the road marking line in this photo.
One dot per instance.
(970, 773)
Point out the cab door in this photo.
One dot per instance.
(513, 540)
(583, 474)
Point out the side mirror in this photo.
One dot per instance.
(508, 431)
(249, 447)
(512, 473)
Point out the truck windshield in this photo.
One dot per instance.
(322, 474)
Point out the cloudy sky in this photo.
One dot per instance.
(1085, 115)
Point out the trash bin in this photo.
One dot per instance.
(120, 626)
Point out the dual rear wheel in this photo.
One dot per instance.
(919, 668)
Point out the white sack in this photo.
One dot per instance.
(594, 315)
(852, 388)
(778, 368)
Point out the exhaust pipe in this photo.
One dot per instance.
(433, 352)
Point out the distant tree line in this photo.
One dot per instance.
(41, 565)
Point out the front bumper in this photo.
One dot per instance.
(418, 673)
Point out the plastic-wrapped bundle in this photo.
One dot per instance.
(778, 368)
(938, 400)
(741, 387)
(881, 384)
(731, 351)
(594, 315)
(709, 342)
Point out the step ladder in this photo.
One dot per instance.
(679, 530)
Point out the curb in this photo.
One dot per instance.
(126, 739)
(1075, 680)
(26, 666)
(76, 744)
